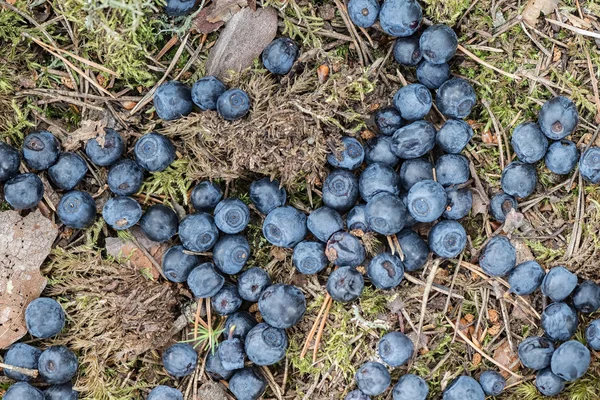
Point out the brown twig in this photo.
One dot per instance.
(426, 292)
(505, 315)
(486, 64)
(321, 329)
(25, 371)
(574, 29)
(197, 318)
(314, 328)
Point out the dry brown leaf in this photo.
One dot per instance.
(479, 204)
(127, 249)
(24, 245)
(494, 316)
(68, 82)
(224, 10)
(557, 55)
(476, 359)
(88, 130)
(367, 134)
(494, 330)
(488, 137)
(201, 25)
(469, 318)
(505, 356)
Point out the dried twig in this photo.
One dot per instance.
(321, 329)
(25, 371)
(314, 328)
(486, 64)
(430, 279)
(574, 29)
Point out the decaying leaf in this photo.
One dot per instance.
(505, 356)
(476, 359)
(88, 130)
(24, 245)
(211, 18)
(128, 250)
(494, 316)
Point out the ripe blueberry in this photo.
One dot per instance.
(377, 150)
(589, 165)
(22, 391)
(426, 201)
(239, 324)
(519, 179)
(206, 195)
(432, 75)
(68, 171)
(309, 257)
(536, 352)
(386, 214)
(177, 8)
(413, 101)
(447, 239)
(23, 191)
(415, 170)
(395, 349)
(230, 254)
(452, 169)
(414, 140)
(227, 300)
(232, 216)
(492, 383)
(231, 353)
(356, 220)
(44, 317)
(570, 361)
(385, 271)
(559, 321)
(282, 306)
(173, 100)
(460, 202)
(438, 44)
(125, 177)
(266, 195)
(501, 204)
(324, 222)
(562, 157)
(154, 152)
(285, 227)
(549, 384)
(559, 283)
(198, 232)
(10, 159)
(57, 365)
(400, 18)
(247, 384)
(558, 117)
(586, 297)
(162, 392)
(252, 282)
(529, 143)
(378, 178)
(104, 151)
(464, 388)
(455, 98)
(345, 284)
(411, 387)
(388, 120)
(340, 190)
(592, 335)
(180, 360)
(40, 150)
(498, 257)
(66, 392)
(215, 368)
(407, 51)
(372, 378)
(363, 13)
(76, 209)
(350, 157)
(121, 212)
(233, 104)
(21, 355)
(204, 281)
(206, 92)
(454, 136)
(177, 265)
(266, 345)
(414, 248)
(526, 278)
(159, 223)
(345, 249)
(279, 56)
(356, 395)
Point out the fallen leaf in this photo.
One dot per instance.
(129, 105)
(128, 250)
(24, 245)
(323, 73)
(88, 130)
(488, 137)
(494, 330)
(476, 359)
(557, 55)
(494, 316)
(506, 357)
(68, 82)
(479, 204)
(224, 10)
(279, 253)
(201, 25)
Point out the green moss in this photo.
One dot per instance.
(543, 253)
(373, 302)
(446, 11)
(172, 183)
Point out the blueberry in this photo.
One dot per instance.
(526, 278)
(239, 324)
(427, 201)
(519, 179)
(345, 284)
(589, 165)
(447, 239)
(44, 317)
(10, 159)
(57, 365)
(460, 202)
(388, 120)
(492, 383)
(177, 265)
(350, 157)
(66, 392)
(68, 171)
(23, 191)
(177, 8)
(498, 257)
(501, 204)
(285, 227)
(76, 209)
(198, 232)
(252, 282)
(433, 75)
(159, 223)
(452, 169)
(232, 216)
(455, 98)
(386, 214)
(363, 13)
(233, 104)
(377, 150)
(204, 281)
(558, 118)
(529, 143)
(373, 378)
(414, 248)
(410, 387)
(154, 152)
(231, 353)
(206, 195)
(454, 136)
(266, 195)
(549, 384)
(400, 18)
(559, 321)
(385, 271)
(230, 254)
(378, 178)
(173, 100)
(324, 222)
(309, 257)
(357, 219)
(415, 170)
(414, 140)
(180, 360)
(104, 151)
(356, 395)
(395, 349)
(340, 190)
(345, 249)
(586, 297)
(215, 368)
(226, 301)
(464, 388)
(559, 283)
(562, 157)
(282, 306)
(266, 345)
(536, 352)
(279, 56)
(206, 92)
(407, 51)
(162, 392)
(40, 150)
(125, 178)
(592, 335)
(247, 384)
(122, 212)
(438, 44)
(22, 391)
(413, 101)
(409, 221)
(21, 355)
(570, 361)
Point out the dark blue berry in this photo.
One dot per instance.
(252, 282)
(282, 306)
(351, 156)
(492, 383)
(68, 171)
(526, 278)
(460, 202)
(279, 56)
(549, 384)
(400, 18)
(239, 324)
(395, 349)
(357, 219)
(559, 283)
(247, 384)
(372, 378)
(204, 281)
(340, 190)
(529, 143)
(57, 365)
(285, 227)
(388, 120)
(558, 117)
(309, 257)
(215, 368)
(159, 223)
(519, 179)
(386, 214)
(357, 395)
(122, 212)
(105, 150)
(415, 170)
(21, 355)
(454, 136)
(233, 104)
(154, 152)
(377, 150)
(76, 209)
(266, 345)
(592, 335)
(438, 44)
(164, 392)
(44, 317)
(125, 178)
(447, 239)
(414, 140)
(267, 195)
(410, 387)
(177, 265)
(345, 284)
(414, 248)
(570, 361)
(230, 254)
(23, 191)
(464, 388)
(378, 178)
(589, 165)
(501, 204)
(231, 354)
(206, 92)
(559, 321)
(227, 300)
(23, 391)
(66, 392)
(426, 201)
(385, 271)
(562, 157)
(232, 216)
(536, 352)
(586, 297)
(177, 8)
(40, 150)
(452, 169)
(173, 100)
(455, 98)
(345, 249)
(10, 159)
(432, 75)
(180, 360)
(498, 257)
(413, 101)
(198, 232)
(407, 51)
(363, 13)
(206, 195)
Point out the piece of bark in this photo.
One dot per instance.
(24, 245)
(244, 38)
(532, 10)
